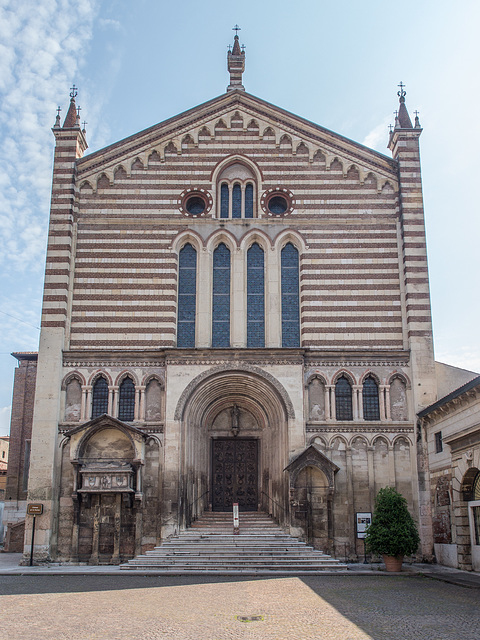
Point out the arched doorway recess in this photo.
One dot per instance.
(231, 416)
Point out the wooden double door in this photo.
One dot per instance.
(235, 474)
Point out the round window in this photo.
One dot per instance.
(278, 201)
(277, 205)
(195, 205)
(195, 202)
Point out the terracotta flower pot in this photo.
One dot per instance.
(393, 563)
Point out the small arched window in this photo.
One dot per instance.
(221, 297)
(343, 399)
(187, 293)
(371, 407)
(290, 296)
(99, 397)
(126, 402)
(255, 297)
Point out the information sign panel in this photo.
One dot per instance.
(35, 509)
(362, 520)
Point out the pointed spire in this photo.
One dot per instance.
(402, 120)
(57, 119)
(236, 63)
(71, 117)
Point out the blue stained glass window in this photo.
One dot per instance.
(99, 397)
(221, 297)
(343, 399)
(249, 201)
(371, 407)
(126, 402)
(255, 297)
(224, 197)
(290, 297)
(237, 201)
(187, 293)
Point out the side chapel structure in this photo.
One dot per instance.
(236, 309)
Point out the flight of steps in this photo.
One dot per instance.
(209, 547)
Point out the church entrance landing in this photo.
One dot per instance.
(234, 474)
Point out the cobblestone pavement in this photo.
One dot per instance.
(183, 608)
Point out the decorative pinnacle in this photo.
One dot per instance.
(78, 111)
(73, 92)
(236, 63)
(390, 127)
(84, 125)
(57, 119)
(401, 94)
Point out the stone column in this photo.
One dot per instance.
(113, 395)
(273, 300)
(381, 401)
(387, 402)
(355, 389)
(328, 407)
(117, 528)
(204, 300)
(238, 321)
(96, 530)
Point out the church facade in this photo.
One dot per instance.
(236, 310)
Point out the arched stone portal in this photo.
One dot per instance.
(234, 445)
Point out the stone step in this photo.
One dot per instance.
(210, 546)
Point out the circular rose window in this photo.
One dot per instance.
(195, 202)
(195, 205)
(277, 202)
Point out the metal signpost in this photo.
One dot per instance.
(362, 522)
(34, 509)
(236, 519)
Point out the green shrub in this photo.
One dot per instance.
(393, 531)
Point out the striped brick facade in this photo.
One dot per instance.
(344, 209)
(118, 223)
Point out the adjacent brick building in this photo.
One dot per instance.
(236, 309)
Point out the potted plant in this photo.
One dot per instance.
(393, 532)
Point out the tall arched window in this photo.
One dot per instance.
(237, 201)
(249, 200)
(224, 200)
(221, 297)
(290, 297)
(126, 402)
(99, 397)
(343, 399)
(187, 293)
(255, 297)
(371, 407)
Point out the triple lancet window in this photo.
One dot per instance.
(254, 305)
(236, 201)
(236, 184)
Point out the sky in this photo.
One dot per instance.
(336, 64)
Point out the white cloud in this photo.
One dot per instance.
(40, 55)
(377, 137)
